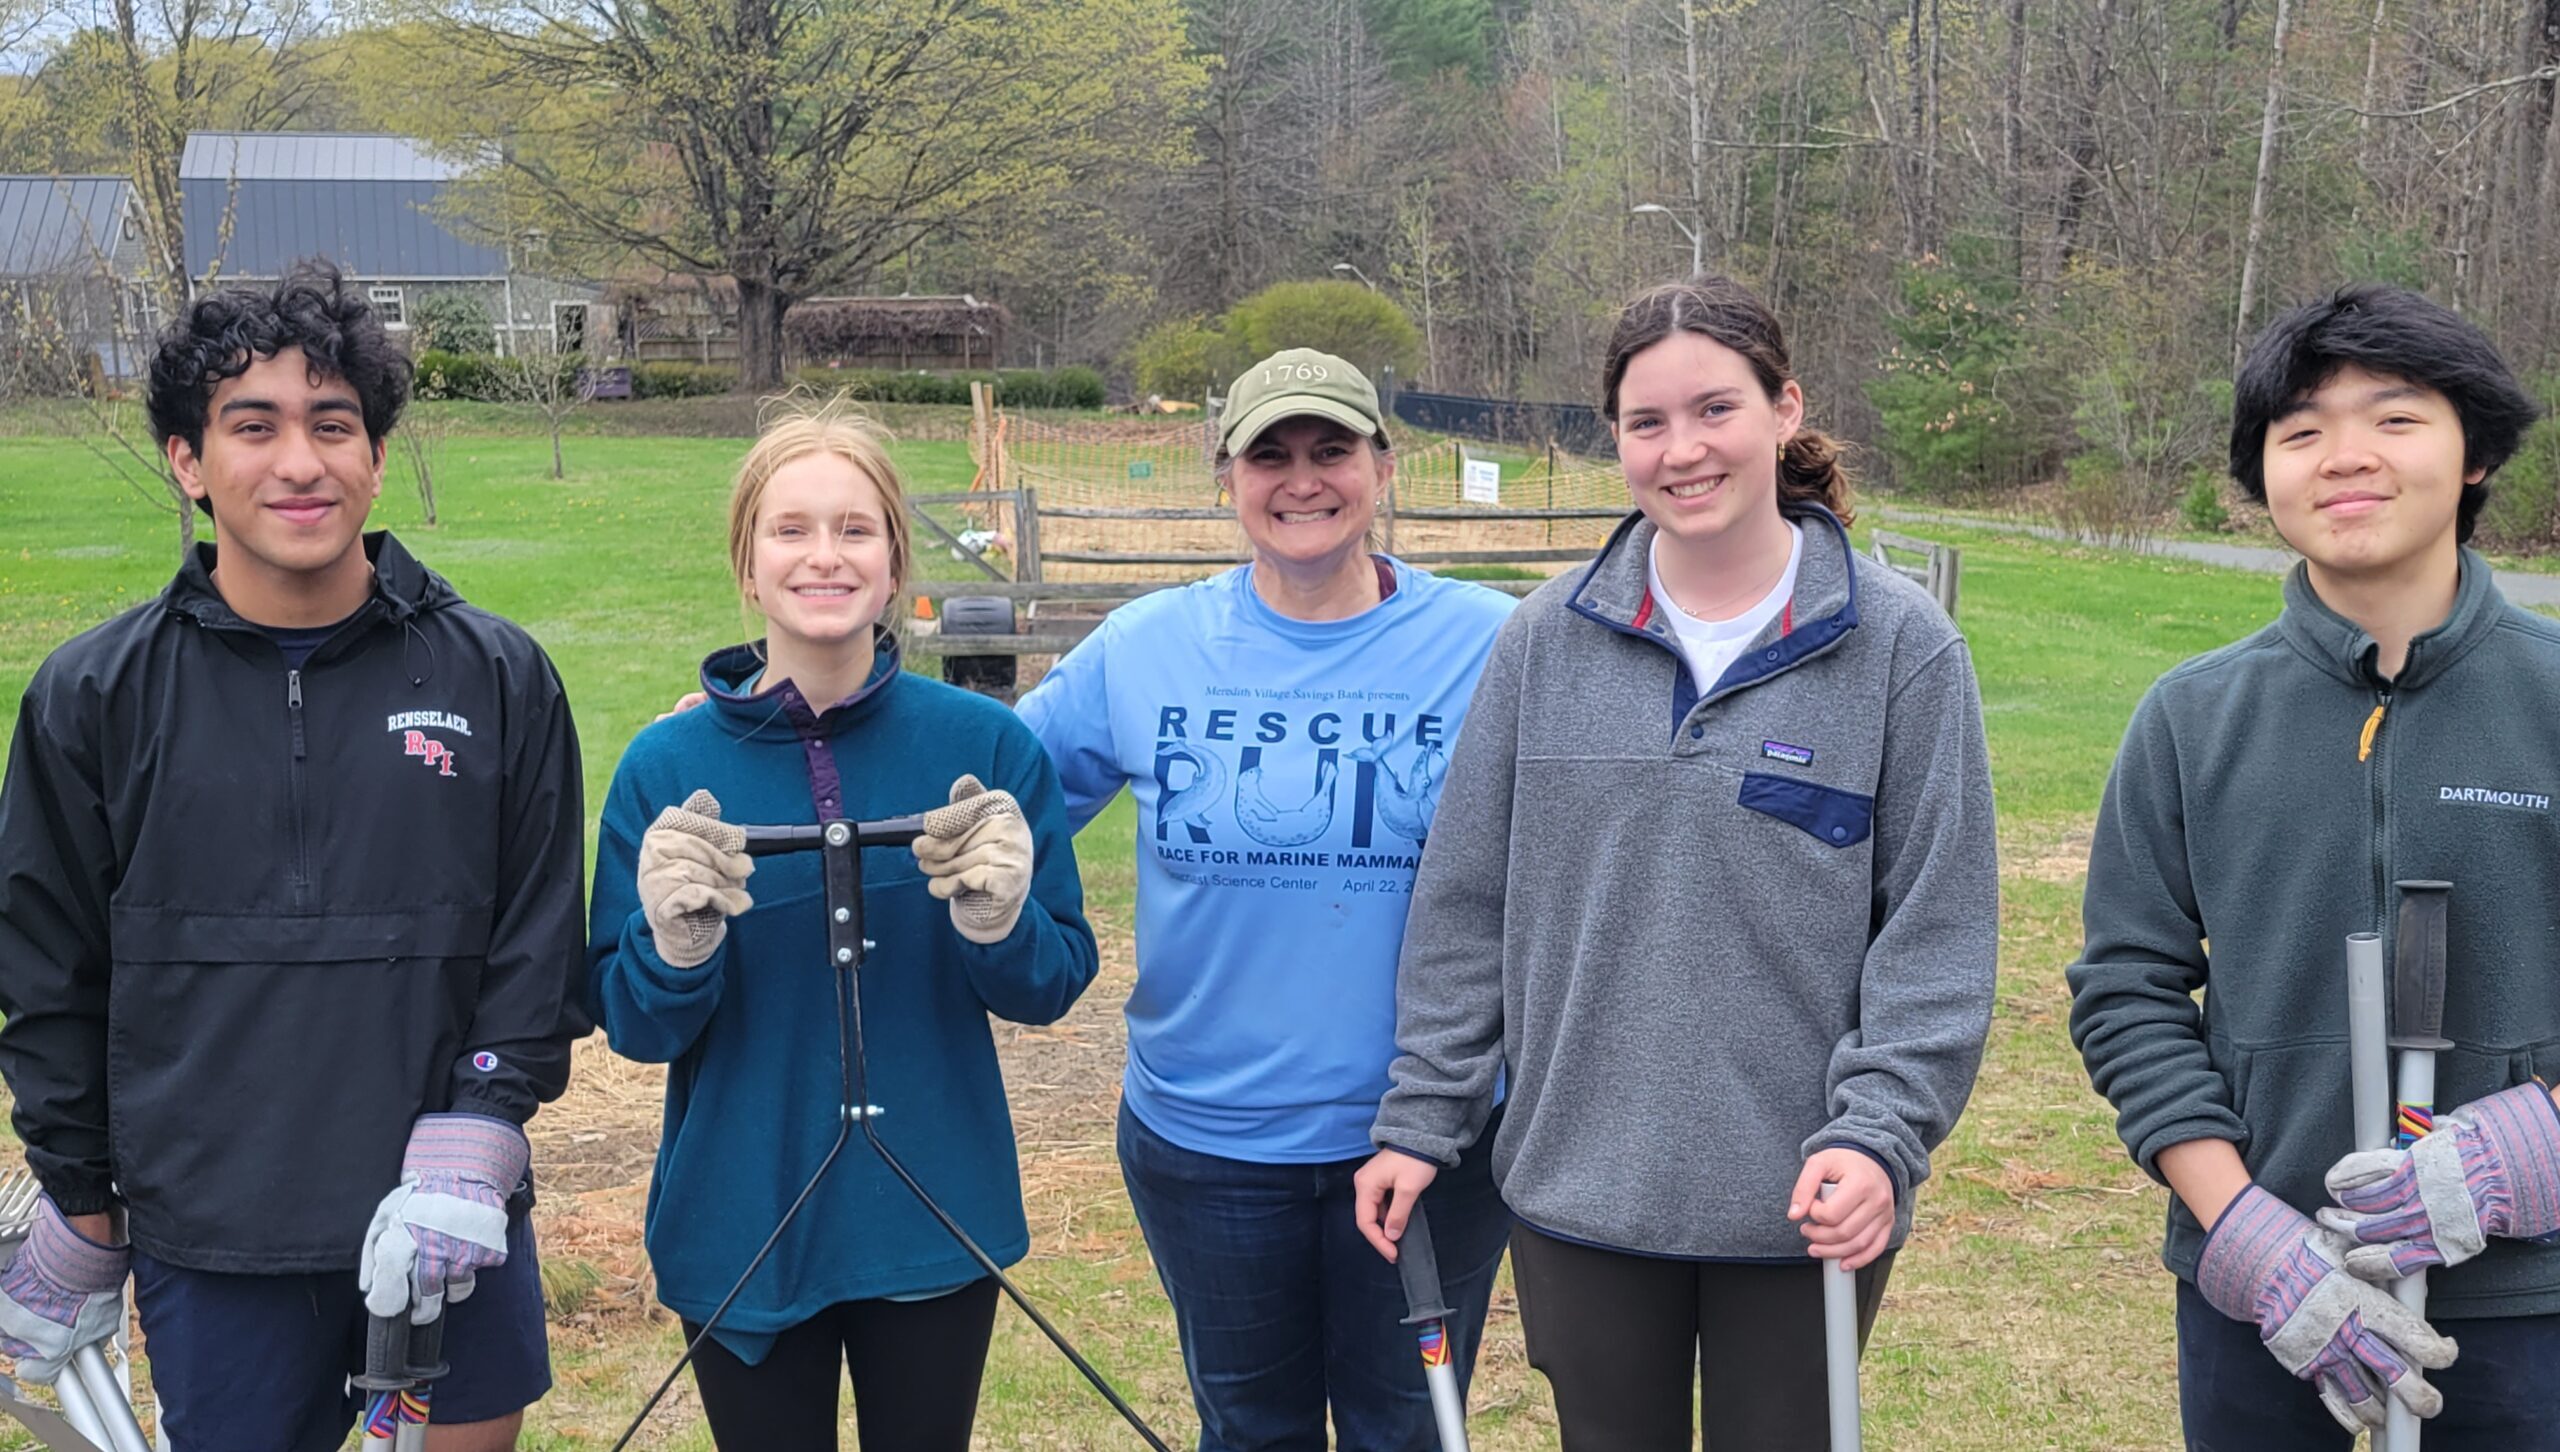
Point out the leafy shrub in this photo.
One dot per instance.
(452, 322)
(457, 375)
(1959, 397)
(1345, 319)
(2523, 512)
(2201, 506)
(682, 380)
(1181, 358)
(2105, 504)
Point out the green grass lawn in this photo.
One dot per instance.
(2029, 1312)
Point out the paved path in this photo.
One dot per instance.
(2521, 587)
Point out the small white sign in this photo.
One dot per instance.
(1483, 483)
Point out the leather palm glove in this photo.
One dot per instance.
(2491, 1169)
(61, 1291)
(976, 855)
(446, 1221)
(2267, 1262)
(693, 879)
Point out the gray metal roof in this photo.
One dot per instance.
(366, 203)
(308, 156)
(51, 225)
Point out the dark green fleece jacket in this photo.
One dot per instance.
(2252, 823)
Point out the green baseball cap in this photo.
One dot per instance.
(1293, 382)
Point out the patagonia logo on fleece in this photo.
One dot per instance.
(1781, 751)
(2492, 797)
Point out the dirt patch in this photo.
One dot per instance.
(594, 1148)
(2058, 853)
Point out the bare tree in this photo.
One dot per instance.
(2270, 119)
(422, 435)
(59, 338)
(536, 373)
(170, 54)
(793, 145)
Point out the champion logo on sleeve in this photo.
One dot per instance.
(1781, 751)
(485, 1062)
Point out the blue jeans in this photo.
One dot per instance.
(2501, 1395)
(1283, 1308)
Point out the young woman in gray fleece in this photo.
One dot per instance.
(1712, 897)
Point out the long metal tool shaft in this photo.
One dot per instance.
(1427, 1312)
(2369, 1063)
(839, 843)
(1840, 1347)
(2417, 1025)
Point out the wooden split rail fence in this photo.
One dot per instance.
(1055, 614)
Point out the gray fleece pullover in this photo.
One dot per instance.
(2267, 797)
(1703, 936)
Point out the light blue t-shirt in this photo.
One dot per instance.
(1286, 772)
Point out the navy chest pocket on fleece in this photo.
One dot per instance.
(1829, 815)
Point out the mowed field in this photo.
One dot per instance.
(2029, 1312)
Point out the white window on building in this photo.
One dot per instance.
(388, 305)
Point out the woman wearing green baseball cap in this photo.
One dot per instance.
(1284, 727)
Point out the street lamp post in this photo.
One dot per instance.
(1697, 244)
(1356, 272)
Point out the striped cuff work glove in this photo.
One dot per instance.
(2491, 1169)
(693, 879)
(976, 855)
(446, 1221)
(62, 1291)
(2267, 1262)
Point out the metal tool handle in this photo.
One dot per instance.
(1840, 1345)
(386, 1354)
(2368, 1042)
(886, 832)
(1418, 1266)
(80, 1409)
(107, 1400)
(1427, 1311)
(2417, 1094)
(2418, 967)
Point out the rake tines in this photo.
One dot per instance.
(18, 1193)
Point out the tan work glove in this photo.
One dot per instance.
(693, 878)
(976, 854)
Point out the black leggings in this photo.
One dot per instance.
(916, 1368)
(1619, 1336)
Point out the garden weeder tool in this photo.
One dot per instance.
(2417, 1023)
(93, 1401)
(1840, 1346)
(402, 1363)
(1427, 1312)
(840, 845)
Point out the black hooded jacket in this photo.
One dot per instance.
(255, 921)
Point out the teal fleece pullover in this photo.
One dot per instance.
(2246, 812)
(749, 1038)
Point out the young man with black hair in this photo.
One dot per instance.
(2400, 720)
(290, 928)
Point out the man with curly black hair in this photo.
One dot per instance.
(290, 931)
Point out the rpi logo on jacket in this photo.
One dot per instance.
(1244, 808)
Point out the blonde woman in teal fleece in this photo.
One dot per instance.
(1713, 892)
(715, 965)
